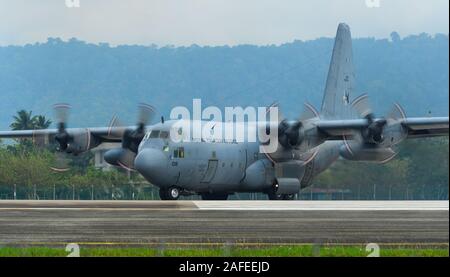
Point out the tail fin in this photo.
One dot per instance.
(341, 77)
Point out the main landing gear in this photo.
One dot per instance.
(173, 193)
(273, 195)
(170, 193)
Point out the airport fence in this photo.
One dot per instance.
(138, 191)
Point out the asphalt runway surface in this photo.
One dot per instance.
(185, 222)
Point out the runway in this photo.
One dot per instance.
(155, 222)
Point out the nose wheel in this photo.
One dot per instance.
(171, 193)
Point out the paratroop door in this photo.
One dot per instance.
(211, 171)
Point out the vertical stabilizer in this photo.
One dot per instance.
(341, 77)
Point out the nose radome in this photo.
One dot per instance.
(152, 164)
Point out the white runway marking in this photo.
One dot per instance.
(325, 205)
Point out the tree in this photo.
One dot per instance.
(40, 122)
(23, 121)
(395, 37)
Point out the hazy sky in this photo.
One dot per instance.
(214, 22)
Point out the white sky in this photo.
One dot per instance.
(214, 22)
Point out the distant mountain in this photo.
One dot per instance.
(99, 80)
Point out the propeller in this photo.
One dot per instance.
(131, 137)
(41, 139)
(374, 135)
(61, 162)
(61, 112)
(374, 132)
(291, 135)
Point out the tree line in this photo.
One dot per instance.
(411, 70)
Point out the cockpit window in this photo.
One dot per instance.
(178, 152)
(154, 134)
(164, 134)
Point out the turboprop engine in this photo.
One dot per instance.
(375, 142)
(131, 138)
(77, 140)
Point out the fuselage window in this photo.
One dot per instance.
(164, 134)
(154, 134)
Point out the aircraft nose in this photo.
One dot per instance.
(152, 164)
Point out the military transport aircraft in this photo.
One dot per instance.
(345, 127)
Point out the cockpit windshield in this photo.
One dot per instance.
(157, 134)
(164, 135)
(154, 134)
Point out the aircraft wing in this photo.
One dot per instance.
(426, 126)
(103, 134)
(415, 126)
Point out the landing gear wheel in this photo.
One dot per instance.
(275, 196)
(288, 196)
(171, 193)
(214, 196)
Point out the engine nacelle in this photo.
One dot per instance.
(81, 141)
(120, 157)
(370, 154)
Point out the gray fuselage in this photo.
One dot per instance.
(217, 166)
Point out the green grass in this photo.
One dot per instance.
(232, 251)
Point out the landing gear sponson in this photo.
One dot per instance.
(173, 193)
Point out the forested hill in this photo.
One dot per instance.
(100, 80)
